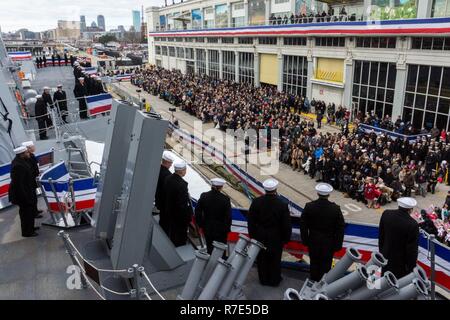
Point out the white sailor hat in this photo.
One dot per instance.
(167, 155)
(81, 78)
(20, 150)
(46, 88)
(270, 184)
(59, 86)
(324, 189)
(406, 202)
(38, 96)
(28, 143)
(217, 182)
(180, 165)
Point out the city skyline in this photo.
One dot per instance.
(41, 17)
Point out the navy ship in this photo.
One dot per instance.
(98, 239)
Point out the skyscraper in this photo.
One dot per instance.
(82, 23)
(136, 20)
(101, 22)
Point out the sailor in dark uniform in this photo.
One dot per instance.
(22, 191)
(60, 99)
(53, 60)
(34, 165)
(178, 204)
(47, 97)
(66, 59)
(42, 117)
(213, 214)
(269, 222)
(160, 195)
(80, 93)
(399, 238)
(44, 60)
(322, 231)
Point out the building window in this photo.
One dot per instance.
(430, 43)
(164, 50)
(295, 75)
(157, 50)
(188, 39)
(376, 42)
(267, 40)
(440, 8)
(373, 87)
(199, 39)
(170, 39)
(172, 51)
(190, 67)
(427, 97)
(179, 39)
(330, 42)
(157, 39)
(238, 22)
(189, 53)
(213, 56)
(201, 61)
(163, 39)
(281, 1)
(180, 52)
(227, 40)
(246, 67)
(229, 65)
(245, 40)
(212, 40)
(295, 41)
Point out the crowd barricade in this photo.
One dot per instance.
(45, 159)
(69, 201)
(365, 128)
(363, 237)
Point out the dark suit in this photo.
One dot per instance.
(47, 99)
(322, 231)
(269, 222)
(213, 215)
(34, 165)
(22, 192)
(42, 117)
(160, 197)
(178, 208)
(60, 99)
(80, 93)
(398, 241)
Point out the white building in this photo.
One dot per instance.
(368, 59)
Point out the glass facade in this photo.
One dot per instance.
(330, 42)
(430, 43)
(256, 12)
(427, 96)
(295, 41)
(295, 75)
(201, 61)
(229, 62)
(246, 67)
(376, 42)
(267, 40)
(440, 8)
(213, 59)
(373, 87)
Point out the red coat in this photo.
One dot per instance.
(371, 191)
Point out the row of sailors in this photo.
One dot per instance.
(321, 224)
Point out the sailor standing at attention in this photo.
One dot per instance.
(213, 214)
(322, 231)
(178, 204)
(34, 165)
(160, 195)
(269, 222)
(22, 191)
(399, 238)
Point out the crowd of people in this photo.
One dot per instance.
(370, 168)
(324, 16)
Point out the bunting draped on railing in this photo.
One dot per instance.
(20, 55)
(365, 128)
(99, 103)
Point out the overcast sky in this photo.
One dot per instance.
(39, 15)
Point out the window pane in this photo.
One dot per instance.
(373, 73)
(411, 81)
(363, 91)
(418, 119)
(420, 101)
(407, 114)
(380, 94)
(422, 80)
(387, 110)
(357, 75)
(431, 103)
(438, 43)
(391, 76)
(409, 99)
(371, 93)
(365, 72)
(383, 74)
(379, 109)
(426, 43)
(435, 80)
(445, 89)
(429, 120)
(444, 105)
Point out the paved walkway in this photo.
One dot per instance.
(294, 185)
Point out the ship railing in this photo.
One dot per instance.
(93, 276)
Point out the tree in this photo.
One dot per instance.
(107, 38)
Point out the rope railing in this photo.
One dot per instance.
(142, 273)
